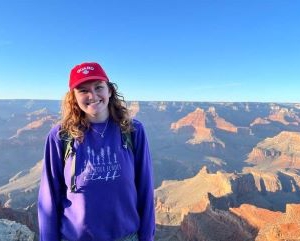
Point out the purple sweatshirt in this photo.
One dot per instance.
(114, 196)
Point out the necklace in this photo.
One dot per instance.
(101, 133)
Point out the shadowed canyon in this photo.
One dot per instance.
(223, 171)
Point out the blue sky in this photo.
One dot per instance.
(199, 50)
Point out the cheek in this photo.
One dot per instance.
(79, 99)
(76, 96)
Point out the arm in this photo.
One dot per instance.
(49, 197)
(144, 184)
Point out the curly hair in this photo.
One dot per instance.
(75, 123)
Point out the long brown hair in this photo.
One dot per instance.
(75, 123)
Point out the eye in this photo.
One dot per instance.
(82, 91)
(99, 87)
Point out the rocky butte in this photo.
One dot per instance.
(195, 119)
(280, 151)
(226, 206)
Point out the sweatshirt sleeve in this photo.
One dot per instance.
(49, 197)
(144, 184)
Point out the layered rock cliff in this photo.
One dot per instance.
(284, 116)
(221, 123)
(36, 124)
(216, 225)
(272, 226)
(239, 204)
(285, 227)
(281, 151)
(197, 120)
(21, 191)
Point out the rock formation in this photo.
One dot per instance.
(272, 226)
(242, 202)
(35, 125)
(21, 191)
(284, 116)
(10, 230)
(216, 225)
(260, 121)
(238, 204)
(286, 227)
(197, 120)
(281, 151)
(256, 217)
(221, 123)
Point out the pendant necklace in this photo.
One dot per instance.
(101, 133)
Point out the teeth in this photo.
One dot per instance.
(94, 102)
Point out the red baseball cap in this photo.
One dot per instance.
(85, 72)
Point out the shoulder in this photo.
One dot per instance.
(137, 125)
(139, 131)
(54, 132)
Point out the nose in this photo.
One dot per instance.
(92, 93)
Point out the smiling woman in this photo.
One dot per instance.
(93, 98)
(108, 194)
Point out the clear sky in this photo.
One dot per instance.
(199, 50)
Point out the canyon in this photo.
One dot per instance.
(223, 171)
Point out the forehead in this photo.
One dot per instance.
(90, 83)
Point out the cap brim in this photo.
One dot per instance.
(101, 78)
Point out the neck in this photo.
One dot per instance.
(99, 118)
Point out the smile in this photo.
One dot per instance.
(94, 102)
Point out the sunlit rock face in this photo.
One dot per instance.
(239, 204)
(195, 119)
(286, 227)
(220, 122)
(280, 151)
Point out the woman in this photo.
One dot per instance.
(103, 189)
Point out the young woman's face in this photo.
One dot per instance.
(92, 98)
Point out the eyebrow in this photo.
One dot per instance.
(84, 85)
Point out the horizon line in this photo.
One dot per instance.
(189, 101)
